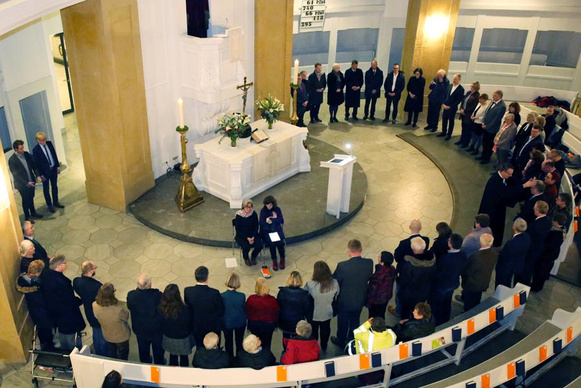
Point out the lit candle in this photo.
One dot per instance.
(296, 72)
(181, 112)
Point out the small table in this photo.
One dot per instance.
(236, 173)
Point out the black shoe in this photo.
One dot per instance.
(414, 125)
(36, 215)
(365, 117)
(58, 204)
(393, 121)
(441, 134)
(458, 143)
(447, 138)
(337, 342)
(434, 129)
(407, 124)
(372, 118)
(470, 149)
(346, 117)
(458, 298)
(427, 127)
(478, 158)
(385, 120)
(463, 145)
(355, 118)
(51, 209)
(313, 122)
(485, 161)
(475, 152)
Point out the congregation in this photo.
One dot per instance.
(425, 275)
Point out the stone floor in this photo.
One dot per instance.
(402, 184)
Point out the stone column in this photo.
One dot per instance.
(422, 48)
(16, 328)
(273, 43)
(104, 51)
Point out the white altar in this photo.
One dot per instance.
(233, 174)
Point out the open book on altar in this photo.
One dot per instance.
(258, 135)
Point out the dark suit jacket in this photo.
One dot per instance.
(63, 305)
(352, 276)
(537, 230)
(476, 276)
(493, 117)
(399, 84)
(146, 322)
(527, 211)
(512, 256)
(335, 81)
(521, 155)
(316, 98)
(40, 159)
(207, 308)
(373, 82)
(353, 78)
(19, 172)
(452, 100)
(404, 248)
(39, 252)
(448, 270)
(87, 288)
(471, 104)
(522, 135)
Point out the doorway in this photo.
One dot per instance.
(59, 55)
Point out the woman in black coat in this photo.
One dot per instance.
(335, 94)
(247, 237)
(295, 304)
(414, 103)
(553, 243)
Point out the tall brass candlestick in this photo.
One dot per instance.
(188, 195)
(294, 118)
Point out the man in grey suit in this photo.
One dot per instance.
(352, 276)
(491, 124)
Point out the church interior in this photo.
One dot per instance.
(102, 79)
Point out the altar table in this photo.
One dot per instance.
(236, 173)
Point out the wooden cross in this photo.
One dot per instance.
(245, 87)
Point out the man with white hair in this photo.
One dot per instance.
(512, 256)
(39, 251)
(476, 276)
(145, 320)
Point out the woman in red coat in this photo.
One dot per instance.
(262, 311)
(301, 347)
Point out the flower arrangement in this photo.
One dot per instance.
(270, 109)
(232, 125)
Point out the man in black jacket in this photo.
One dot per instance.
(87, 287)
(206, 305)
(49, 168)
(373, 82)
(63, 305)
(476, 276)
(24, 172)
(317, 84)
(454, 96)
(353, 84)
(394, 85)
(512, 256)
(39, 251)
(145, 320)
(352, 276)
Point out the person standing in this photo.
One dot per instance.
(353, 83)
(504, 140)
(467, 107)
(512, 256)
(262, 310)
(380, 287)
(176, 326)
(477, 274)
(352, 276)
(553, 243)
(113, 319)
(335, 94)
(87, 287)
(234, 318)
(49, 169)
(394, 85)
(491, 125)
(302, 98)
(317, 84)
(206, 305)
(143, 303)
(438, 88)
(295, 304)
(25, 175)
(373, 82)
(454, 96)
(414, 103)
(39, 251)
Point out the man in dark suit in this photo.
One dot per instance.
(39, 251)
(353, 84)
(49, 168)
(491, 124)
(527, 210)
(206, 305)
(352, 276)
(302, 98)
(405, 249)
(24, 172)
(521, 156)
(498, 194)
(537, 230)
(512, 256)
(87, 287)
(394, 85)
(467, 107)
(146, 321)
(454, 96)
(373, 82)
(317, 84)
(524, 132)
(476, 276)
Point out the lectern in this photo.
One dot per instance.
(339, 190)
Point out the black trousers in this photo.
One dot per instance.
(471, 299)
(448, 116)
(413, 117)
(27, 195)
(487, 144)
(262, 330)
(366, 111)
(433, 114)
(245, 245)
(48, 184)
(315, 111)
(466, 130)
(146, 345)
(231, 336)
(392, 101)
(377, 310)
(325, 328)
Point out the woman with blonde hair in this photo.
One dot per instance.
(234, 318)
(26, 251)
(262, 311)
(295, 304)
(247, 237)
(113, 320)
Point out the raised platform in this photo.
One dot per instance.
(302, 199)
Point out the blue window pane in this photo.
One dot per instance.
(4, 133)
(556, 48)
(463, 38)
(396, 48)
(357, 43)
(502, 45)
(311, 47)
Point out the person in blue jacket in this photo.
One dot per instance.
(438, 87)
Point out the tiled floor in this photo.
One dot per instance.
(403, 184)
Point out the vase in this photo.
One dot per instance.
(233, 142)
(269, 124)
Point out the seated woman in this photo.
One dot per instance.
(113, 319)
(295, 304)
(247, 237)
(210, 356)
(254, 355)
(271, 221)
(419, 326)
(262, 311)
(176, 326)
(113, 380)
(301, 347)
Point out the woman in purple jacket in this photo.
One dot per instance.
(380, 287)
